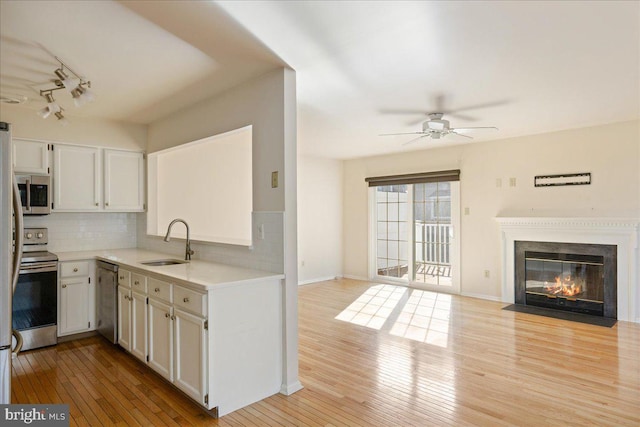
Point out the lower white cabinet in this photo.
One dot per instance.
(139, 326)
(190, 368)
(172, 341)
(161, 338)
(76, 298)
(222, 346)
(124, 317)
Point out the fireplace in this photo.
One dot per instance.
(572, 277)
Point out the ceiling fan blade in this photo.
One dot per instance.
(415, 139)
(404, 133)
(460, 134)
(401, 111)
(477, 106)
(473, 128)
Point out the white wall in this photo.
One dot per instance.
(320, 207)
(102, 133)
(611, 153)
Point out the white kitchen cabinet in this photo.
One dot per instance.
(161, 337)
(124, 317)
(81, 183)
(30, 156)
(76, 296)
(190, 352)
(77, 178)
(123, 181)
(139, 326)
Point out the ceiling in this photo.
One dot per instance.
(524, 67)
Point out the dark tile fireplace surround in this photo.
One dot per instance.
(569, 277)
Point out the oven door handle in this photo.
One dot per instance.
(39, 268)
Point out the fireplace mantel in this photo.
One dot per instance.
(622, 232)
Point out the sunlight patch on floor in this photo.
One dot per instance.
(411, 313)
(424, 318)
(373, 307)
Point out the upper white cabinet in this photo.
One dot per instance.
(30, 156)
(79, 179)
(123, 180)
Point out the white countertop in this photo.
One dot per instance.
(199, 275)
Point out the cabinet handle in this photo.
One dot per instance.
(121, 277)
(64, 286)
(75, 270)
(167, 315)
(96, 203)
(156, 290)
(173, 317)
(136, 282)
(186, 299)
(106, 204)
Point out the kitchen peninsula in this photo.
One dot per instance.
(213, 330)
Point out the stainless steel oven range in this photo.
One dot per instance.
(35, 299)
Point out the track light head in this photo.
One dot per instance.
(77, 86)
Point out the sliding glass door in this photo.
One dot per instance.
(415, 235)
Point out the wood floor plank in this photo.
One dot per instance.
(445, 360)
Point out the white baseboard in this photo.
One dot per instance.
(364, 279)
(481, 296)
(320, 279)
(289, 389)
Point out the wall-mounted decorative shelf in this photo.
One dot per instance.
(562, 179)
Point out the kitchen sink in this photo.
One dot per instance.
(160, 262)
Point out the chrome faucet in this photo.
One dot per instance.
(188, 252)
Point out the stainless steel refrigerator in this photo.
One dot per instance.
(9, 258)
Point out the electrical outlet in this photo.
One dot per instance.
(466, 211)
(274, 179)
(302, 263)
(261, 232)
(487, 274)
(512, 182)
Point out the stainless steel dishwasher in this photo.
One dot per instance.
(107, 302)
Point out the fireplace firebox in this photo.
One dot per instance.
(567, 276)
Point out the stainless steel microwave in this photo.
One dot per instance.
(35, 194)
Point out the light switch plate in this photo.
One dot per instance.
(274, 179)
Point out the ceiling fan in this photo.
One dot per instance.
(436, 127)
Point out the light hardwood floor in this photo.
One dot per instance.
(378, 355)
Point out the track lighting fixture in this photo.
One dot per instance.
(77, 86)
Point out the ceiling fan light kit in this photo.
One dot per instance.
(77, 86)
(436, 127)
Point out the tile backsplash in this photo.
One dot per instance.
(266, 254)
(93, 231)
(70, 231)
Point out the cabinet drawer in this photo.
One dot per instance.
(124, 278)
(159, 289)
(190, 300)
(74, 269)
(138, 282)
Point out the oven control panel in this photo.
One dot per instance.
(36, 236)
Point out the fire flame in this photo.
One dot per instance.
(564, 286)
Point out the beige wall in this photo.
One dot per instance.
(611, 153)
(261, 103)
(320, 207)
(97, 132)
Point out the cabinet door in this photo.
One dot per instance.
(76, 178)
(161, 338)
(124, 318)
(190, 354)
(30, 156)
(123, 180)
(139, 326)
(75, 310)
